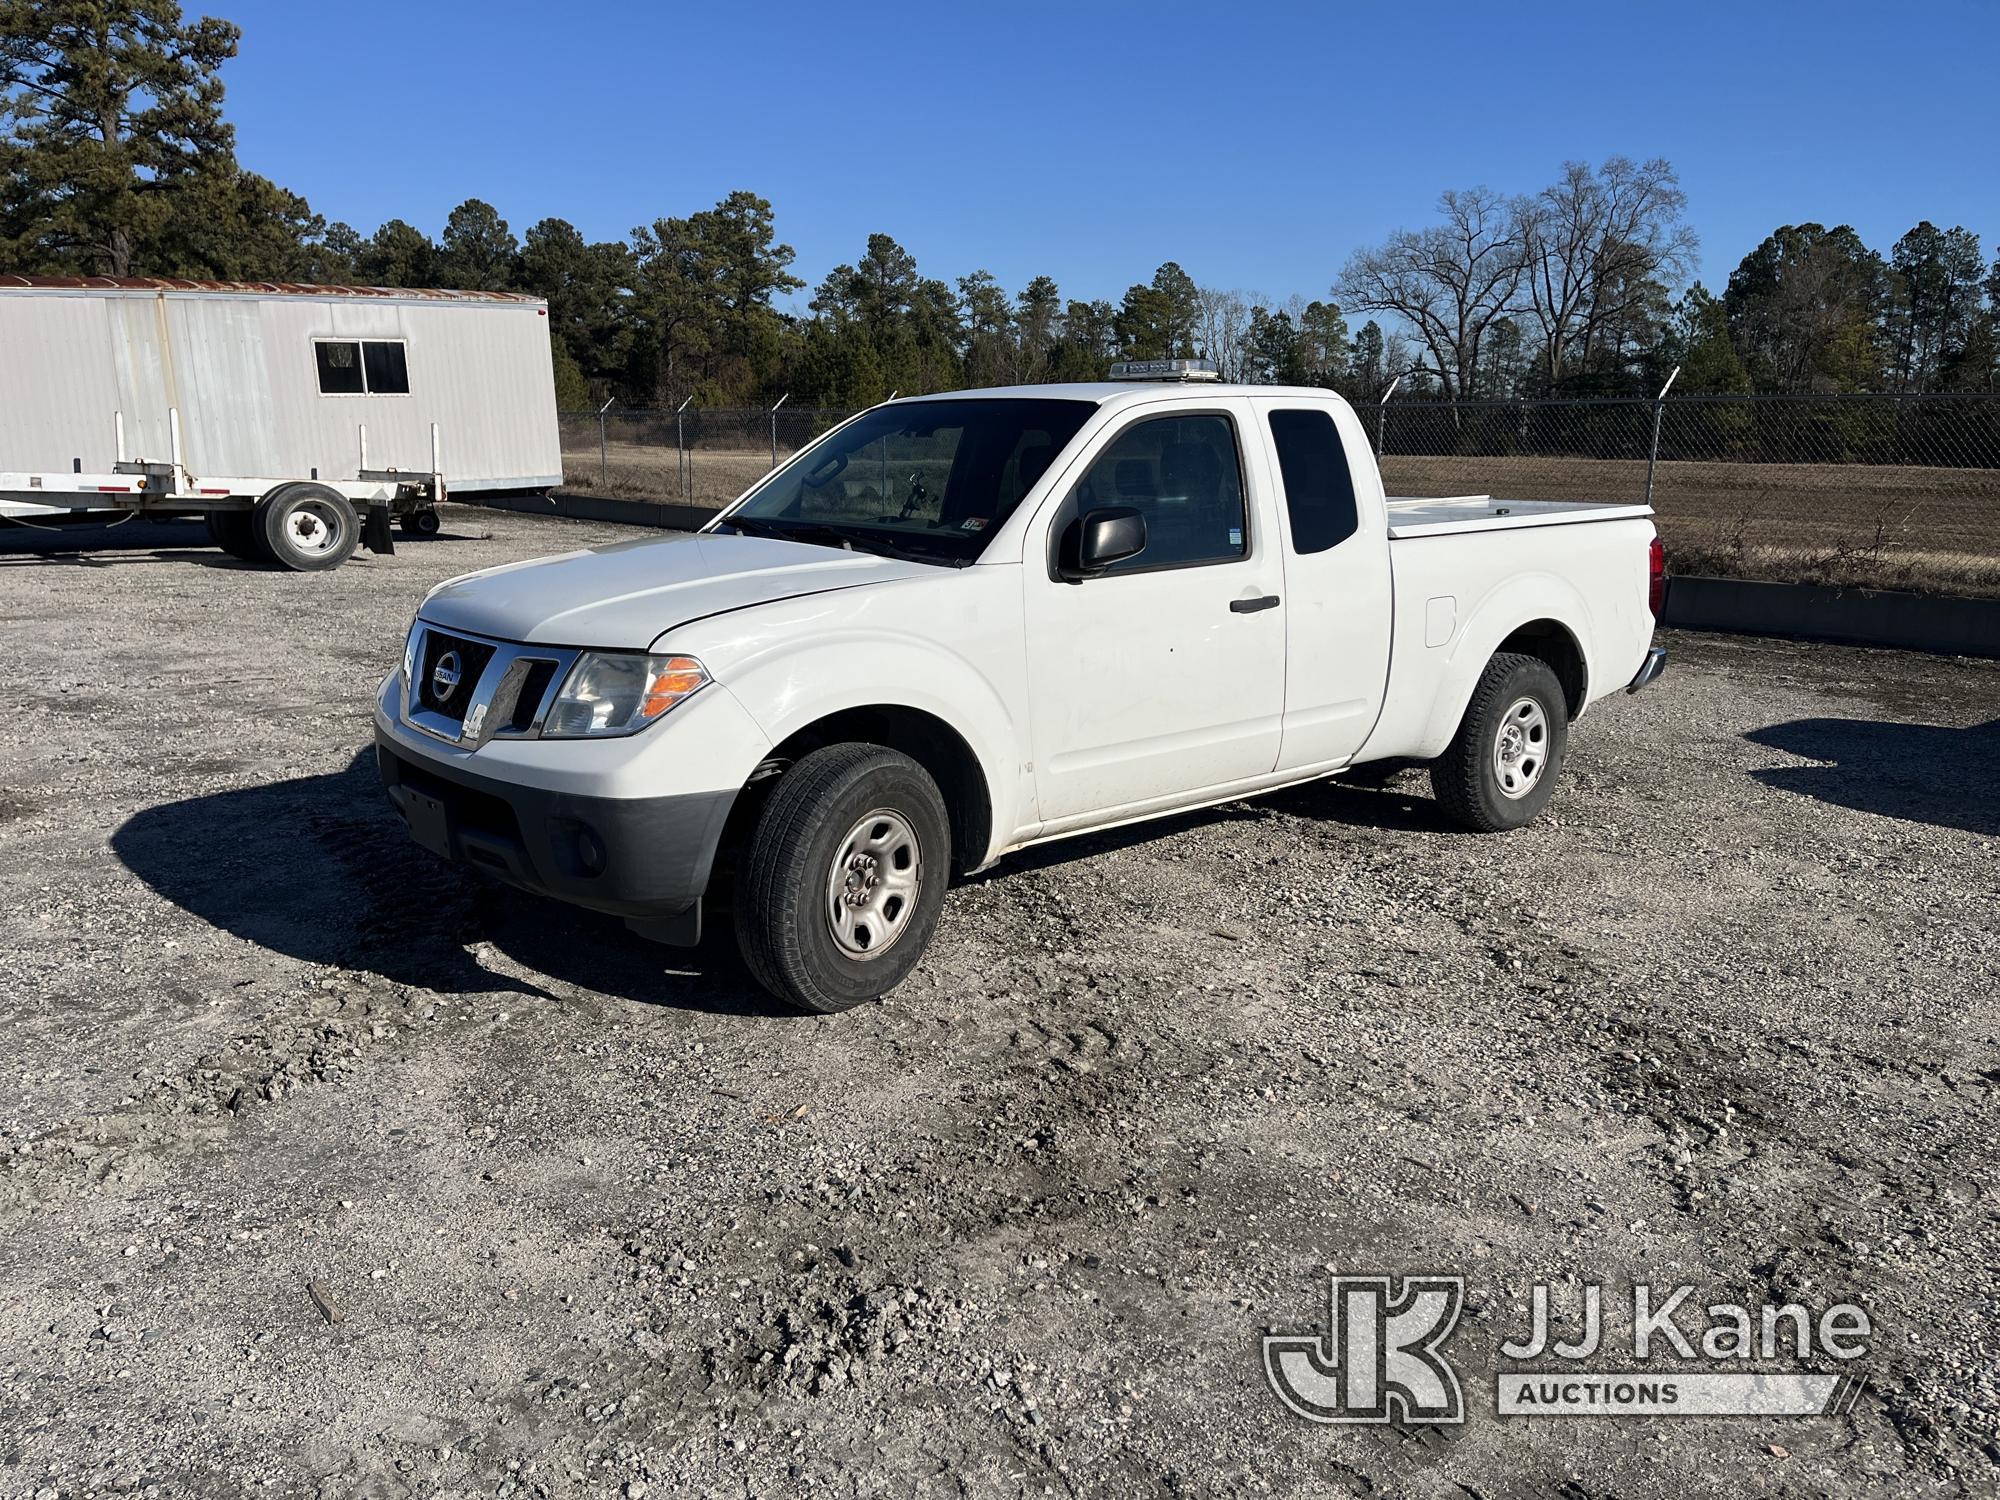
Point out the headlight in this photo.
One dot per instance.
(618, 692)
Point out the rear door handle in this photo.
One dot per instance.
(1251, 606)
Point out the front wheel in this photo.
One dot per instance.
(840, 888)
(1500, 768)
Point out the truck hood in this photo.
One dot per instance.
(627, 594)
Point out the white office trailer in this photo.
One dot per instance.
(297, 419)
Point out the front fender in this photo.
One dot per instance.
(1522, 599)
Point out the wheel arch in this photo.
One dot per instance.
(933, 743)
(1537, 614)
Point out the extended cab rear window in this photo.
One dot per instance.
(1319, 486)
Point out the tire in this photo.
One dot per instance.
(232, 531)
(420, 523)
(1500, 769)
(307, 527)
(823, 946)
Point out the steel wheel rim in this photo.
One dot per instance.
(873, 883)
(314, 527)
(1521, 748)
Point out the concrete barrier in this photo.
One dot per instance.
(576, 507)
(1943, 623)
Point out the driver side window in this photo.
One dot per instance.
(1184, 475)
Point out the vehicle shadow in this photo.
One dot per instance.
(320, 868)
(1923, 773)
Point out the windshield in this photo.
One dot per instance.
(924, 479)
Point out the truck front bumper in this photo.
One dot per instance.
(581, 820)
(646, 859)
(1656, 663)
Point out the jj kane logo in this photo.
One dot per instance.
(1380, 1358)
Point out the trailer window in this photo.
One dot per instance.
(356, 367)
(339, 369)
(1319, 486)
(388, 369)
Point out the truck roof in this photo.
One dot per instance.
(178, 284)
(1134, 391)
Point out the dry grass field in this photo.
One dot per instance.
(1871, 526)
(1928, 529)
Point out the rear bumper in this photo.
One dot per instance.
(646, 859)
(1655, 664)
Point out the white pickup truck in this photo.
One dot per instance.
(960, 624)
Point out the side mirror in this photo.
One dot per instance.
(1101, 537)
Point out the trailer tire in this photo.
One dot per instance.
(308, 528)
(424, 522)
(840, 887)
(233, 532)
(1500, 769)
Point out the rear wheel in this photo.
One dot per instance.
(232, 531)
(1500, 768)
(425, 522)
(840, 888)
(307, 527)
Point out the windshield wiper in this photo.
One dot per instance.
(821, 534)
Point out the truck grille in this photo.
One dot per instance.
(468, 660)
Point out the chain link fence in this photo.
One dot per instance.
(701, 456)
(1875, 491)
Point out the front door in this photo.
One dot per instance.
(1163, 677)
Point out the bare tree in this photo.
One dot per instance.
(1598, 245)
(1219, 321)
(1449, 282)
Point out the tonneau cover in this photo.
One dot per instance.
(1452, 514)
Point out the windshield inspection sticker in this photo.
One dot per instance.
(973, 523)
(1380, 1357)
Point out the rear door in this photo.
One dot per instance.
(1338, 594)
(1164, 676)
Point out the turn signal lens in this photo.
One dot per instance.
(620, 692)
(673, 679)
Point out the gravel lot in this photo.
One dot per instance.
(327, 1170)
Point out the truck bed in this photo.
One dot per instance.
(1461, 513)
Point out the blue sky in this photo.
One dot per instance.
(1256, 144)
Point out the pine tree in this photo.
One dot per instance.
(110, 111)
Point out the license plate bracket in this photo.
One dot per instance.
(430, 824)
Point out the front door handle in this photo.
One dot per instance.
(1251, 606)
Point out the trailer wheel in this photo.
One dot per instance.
(307, 527)
(426, 522)
(233, 532)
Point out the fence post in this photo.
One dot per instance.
(1659, 409)
(683, 467)
(603, 447)
(1382, 419)
(774, 428)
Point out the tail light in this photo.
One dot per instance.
(1656, 577)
